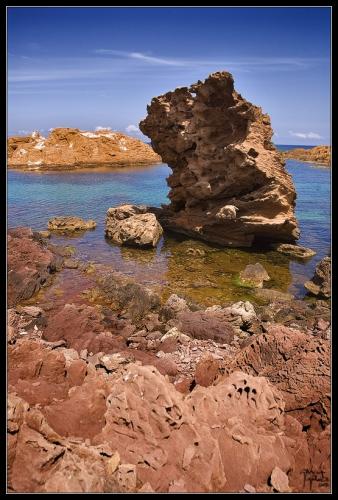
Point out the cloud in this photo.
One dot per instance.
(275, 63)
(133, 129)
(97, 129)
(305, 135)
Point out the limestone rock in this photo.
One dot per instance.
(133, 225)
(254, 275)
(294, 250)
(70, 224)
(229, 184)
(71, 148)
(279, 480)
(320, 284)
(318, 154)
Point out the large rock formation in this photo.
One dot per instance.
(318, 154)
(229, 184)
(72, 147)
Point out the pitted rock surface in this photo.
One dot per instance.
(229, 184)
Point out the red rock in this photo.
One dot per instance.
(207, 370)
(30, 264)
(83, 327)
(296, 363)
(213, 325)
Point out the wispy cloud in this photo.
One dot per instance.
(305, 135)
(277, 63)
(133, 129)
(98, 128)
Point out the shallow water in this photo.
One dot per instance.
(34, 197)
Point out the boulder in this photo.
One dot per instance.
(133, 225)
(320, 284)
(213, 325)
(254, 275)
(70, 224)
(229, 184)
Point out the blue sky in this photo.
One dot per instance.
(100, 67)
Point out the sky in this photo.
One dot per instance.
(100, 67)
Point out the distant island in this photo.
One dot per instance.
(317, 154)
(73, 148)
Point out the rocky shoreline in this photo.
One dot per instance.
(320, 155)
(71, 148)
(130, 393)
(114, 387)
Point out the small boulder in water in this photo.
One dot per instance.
(254, 275)
(133, 225)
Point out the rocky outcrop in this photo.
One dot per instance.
(70, 224)
(132, 430)
(320, 284)
(318, 154)
(229, 184)
(71, 147)
(294, 250)
(133, 225)
(30, 264)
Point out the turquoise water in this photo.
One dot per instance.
(35, 197)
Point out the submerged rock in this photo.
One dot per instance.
(70, 224)
(133, 225)
(254, 275)
(229, 184)
(294, 250)
(320, 284)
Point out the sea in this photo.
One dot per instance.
(34, 197)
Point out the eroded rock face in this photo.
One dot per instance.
(71, 147)
(297, 364)
(30, 264)
(320, 284)
(229, 184)
(132, 225)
